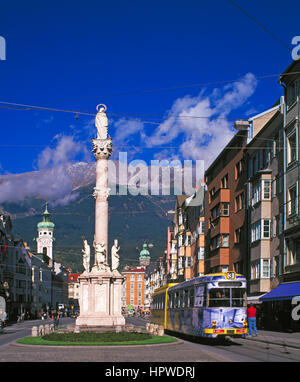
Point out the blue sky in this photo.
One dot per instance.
(74, 55)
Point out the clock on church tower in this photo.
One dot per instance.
(45, 235)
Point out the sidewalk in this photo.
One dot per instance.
(277, 338)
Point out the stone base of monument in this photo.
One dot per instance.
(100, 301)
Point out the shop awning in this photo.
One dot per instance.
(254, 299)
(284, 291)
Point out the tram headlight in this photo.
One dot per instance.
(245, 324)
(214, 324)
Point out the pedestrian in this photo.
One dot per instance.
(54, 318)
(251, 311)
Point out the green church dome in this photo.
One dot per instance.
(144, 252)
(46, 223)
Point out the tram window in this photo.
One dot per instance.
(176, 302)
(186, 298)
(181, 304)
(218, 297)
(238, 297)
(191, 297)
(200, 299)
(173, 300)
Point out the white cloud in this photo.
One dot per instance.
(52, 182)
(203, 138)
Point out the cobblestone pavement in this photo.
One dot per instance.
(178, 352)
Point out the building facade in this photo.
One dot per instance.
(264, 157)
(134, 287)
(225, 209)
(291, 172)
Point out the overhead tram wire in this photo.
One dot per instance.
(261, 25)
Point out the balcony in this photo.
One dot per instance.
(219, 256)
(221, 195)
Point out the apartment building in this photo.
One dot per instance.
(264, 157)
(134, 287)
(225, 209)
(186, 237)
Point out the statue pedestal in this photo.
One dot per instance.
(100, 299)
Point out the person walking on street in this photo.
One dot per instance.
(55, 318)
(251, 311)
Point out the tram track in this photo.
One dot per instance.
(247, 351)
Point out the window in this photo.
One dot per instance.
(188, 262)
(237, 235)
(291, 94)
(266, 233)
(260, 269)
(224, 181)
(218, 297)
(188, 240)
(180, 219)
(292, 148)
(191, 299)
(200, 299)
(256, 193)
(215, 212)
(254, 270)
(225, 209)
(225, 240)
(238, 169)
(265, 268)
(239, 202)
(212, 193)
(292, 202)
(201, 253)
(215, 242)
(238, 297)
(201, 229)
(255, 231)
(180, 240)
(266, 187)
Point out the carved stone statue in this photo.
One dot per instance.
(115, 256)
(100, 255)
(86, 256)
(101, 122)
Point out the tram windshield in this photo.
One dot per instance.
(226, 297)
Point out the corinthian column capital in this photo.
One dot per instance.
(102, 148)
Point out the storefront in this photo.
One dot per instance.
(279, 308)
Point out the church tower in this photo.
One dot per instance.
(45, 235)
(145, 256)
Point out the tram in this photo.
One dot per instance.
(208, 306)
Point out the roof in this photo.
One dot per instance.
(292, 68)
(136, 270)
(285, 291)
(238, 136)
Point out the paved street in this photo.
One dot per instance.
(186, 350)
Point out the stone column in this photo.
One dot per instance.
(102, 149)
(100, 293)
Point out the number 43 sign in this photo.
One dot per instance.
(230, 275)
